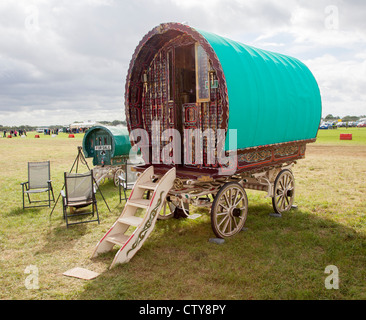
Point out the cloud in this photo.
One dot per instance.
(62, 61)
(341, 94)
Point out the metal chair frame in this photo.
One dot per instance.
(28, 189)
(124, 184)
(68, 203)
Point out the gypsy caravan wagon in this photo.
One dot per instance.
(109, 147)
(212, 118)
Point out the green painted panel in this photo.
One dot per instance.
(273, 98)
(119, 137)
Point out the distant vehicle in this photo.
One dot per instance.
(334, 125)
(361, 124)
(342, 124)
(326, 125)
(353, 123)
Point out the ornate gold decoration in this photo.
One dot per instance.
(286, 151)
(255, 156)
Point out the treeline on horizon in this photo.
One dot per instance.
(52, 127)
(344, 119)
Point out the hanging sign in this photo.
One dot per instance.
(101, 147)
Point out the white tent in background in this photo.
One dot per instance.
(82, 125)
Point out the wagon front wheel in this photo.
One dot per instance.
(116, 175)
(284, 191)
(167, 210)
(229, 210)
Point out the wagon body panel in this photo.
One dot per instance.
(273, 98)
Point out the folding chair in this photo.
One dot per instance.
(126, 181)
(39, 181)
(79, 193)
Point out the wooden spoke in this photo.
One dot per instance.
(167, 210)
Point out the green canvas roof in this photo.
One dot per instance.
(272, 97)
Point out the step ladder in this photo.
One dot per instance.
(130, 244)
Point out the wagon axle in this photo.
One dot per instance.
(235, 212)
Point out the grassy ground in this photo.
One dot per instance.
(275, 258)
(332, 136)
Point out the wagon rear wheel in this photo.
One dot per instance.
(229, 210)
(284, 191)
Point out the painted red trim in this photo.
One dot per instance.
(107, 233)
(254, 164)
(131, 193)
(269, 161)
(152, 199)
(129, 239)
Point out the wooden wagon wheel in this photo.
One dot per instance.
(167, 210)
(284, 191)
(172, 209)
(229, 210)
(117, 173)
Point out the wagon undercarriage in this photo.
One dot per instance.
(226, 196)
(108, 172)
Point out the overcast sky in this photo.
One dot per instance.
(66, 61)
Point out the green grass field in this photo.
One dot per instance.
(332, 136)
(275, 258)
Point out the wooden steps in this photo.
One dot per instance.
(139, 203)
(132, 221)
(118, 239)
(148, 186)
(144, 223)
